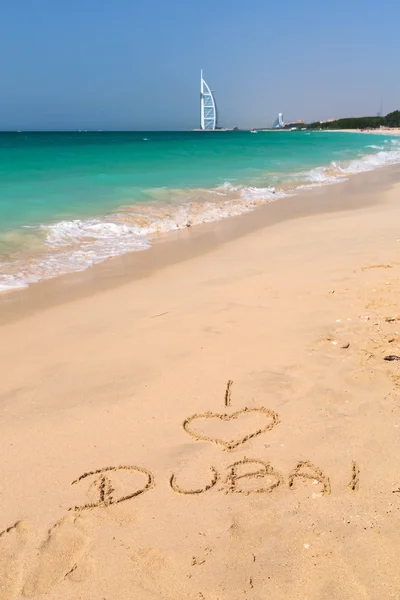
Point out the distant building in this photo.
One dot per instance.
(291, 124)
(208, 107)
(279, 123)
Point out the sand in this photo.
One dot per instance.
(386, 131)
(131, 468)
(391, 131)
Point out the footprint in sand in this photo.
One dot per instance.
(13, 543)
(61, 555)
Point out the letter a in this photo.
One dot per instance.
(313, 472)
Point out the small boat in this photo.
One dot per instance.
(253, 131)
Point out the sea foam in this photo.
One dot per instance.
(75, 245)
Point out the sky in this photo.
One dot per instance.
(135, 64)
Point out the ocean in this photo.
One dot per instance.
(70, 200)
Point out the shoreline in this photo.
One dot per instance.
(72, 245)
(132, 466)
(183, 244)
(395, 131)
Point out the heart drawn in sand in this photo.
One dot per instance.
(272, 420)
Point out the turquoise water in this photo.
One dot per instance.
(69, 200)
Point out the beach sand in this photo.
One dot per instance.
(131, 468)
(395, 131)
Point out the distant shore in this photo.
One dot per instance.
(380, 131)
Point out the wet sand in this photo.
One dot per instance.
(131, 469)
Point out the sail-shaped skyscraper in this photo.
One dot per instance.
(208, 108)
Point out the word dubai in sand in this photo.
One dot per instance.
(245, 476)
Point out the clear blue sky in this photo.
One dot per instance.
(134, 64)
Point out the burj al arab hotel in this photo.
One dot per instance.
(208, 108)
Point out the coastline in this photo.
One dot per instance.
(56, 242)
(395, 131)
(180, 245)
(109, 377)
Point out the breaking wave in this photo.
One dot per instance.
(74, 245)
